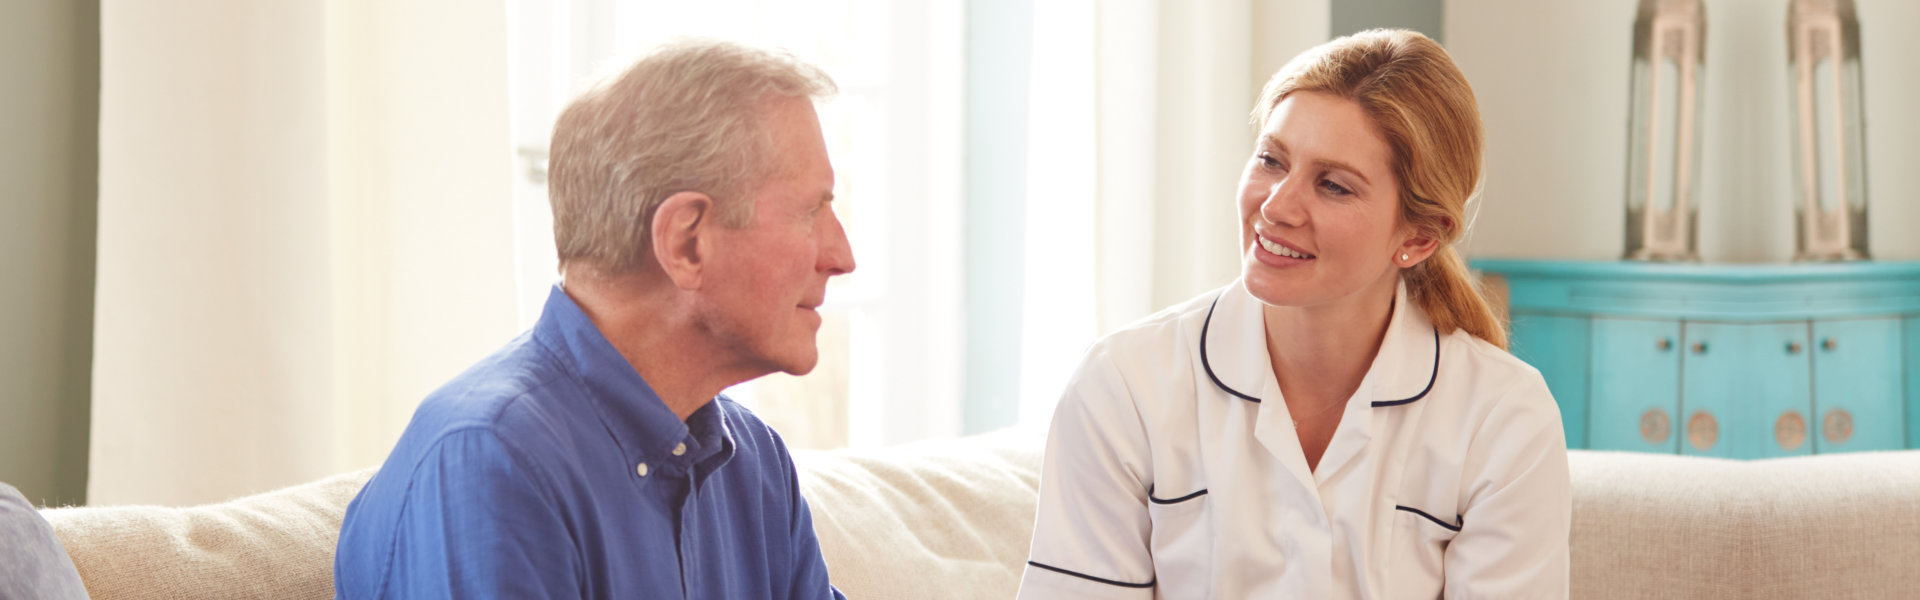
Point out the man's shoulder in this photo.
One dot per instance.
(510, 390)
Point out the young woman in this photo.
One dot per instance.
(1341, 422)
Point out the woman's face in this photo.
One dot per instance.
(1319, 206)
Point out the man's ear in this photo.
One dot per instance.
(678, 226)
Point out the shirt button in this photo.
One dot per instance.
(680, 450)
(642, 469)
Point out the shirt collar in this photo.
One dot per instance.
(1233, 349)
(633, 413)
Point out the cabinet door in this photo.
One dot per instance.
(1558, 347)
(1636, 385)
(1856, 385)
(1745, 390)
(1912, 351)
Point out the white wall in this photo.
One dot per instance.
(1552, 82)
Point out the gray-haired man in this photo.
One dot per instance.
(593, 456)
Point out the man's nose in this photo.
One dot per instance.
(836, 253)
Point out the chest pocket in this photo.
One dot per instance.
(1419, 551)
(1182, 544)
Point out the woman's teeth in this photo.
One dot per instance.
(1281, 250)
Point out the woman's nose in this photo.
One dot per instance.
(1283, 205)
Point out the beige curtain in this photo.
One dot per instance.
(1139, 133)
(305, 226)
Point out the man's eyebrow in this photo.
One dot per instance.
(1271, 142)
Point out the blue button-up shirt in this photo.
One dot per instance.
(552, 470)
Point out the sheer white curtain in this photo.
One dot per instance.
(1138, 135)
(305, 226)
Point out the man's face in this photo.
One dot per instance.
(768, 279)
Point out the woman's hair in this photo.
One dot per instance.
(1410, 89)
(687, 116)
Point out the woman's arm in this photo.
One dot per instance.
(1513, 537)
(1091, 529)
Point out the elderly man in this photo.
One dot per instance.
(593, 457)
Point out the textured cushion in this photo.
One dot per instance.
(1829, 526)
(274, 545)
(941, 519)
(952, 519)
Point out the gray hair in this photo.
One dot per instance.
(686, 116)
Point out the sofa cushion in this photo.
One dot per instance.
(937, 519)
(273, 545)
(952, 519)
(1827, 526)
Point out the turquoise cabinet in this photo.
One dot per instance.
(1746, 362)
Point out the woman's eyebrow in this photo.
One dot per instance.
(1325, 164)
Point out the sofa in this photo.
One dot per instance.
(952, 519)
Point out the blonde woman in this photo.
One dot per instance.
(1341, 422)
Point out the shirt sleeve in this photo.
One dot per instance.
(1519, 506)
(809, 565)
(33, 565)
(471, 521)
(1091, 529)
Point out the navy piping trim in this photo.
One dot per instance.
(1185, 498)
(1208, 365)
(1449, 526)
(1092, 578)
(1430, 378)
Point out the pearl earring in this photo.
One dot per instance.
(1403, 258)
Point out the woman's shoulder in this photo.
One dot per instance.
(1495, 378)
(1166, 330)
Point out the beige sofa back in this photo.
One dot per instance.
(951, 519)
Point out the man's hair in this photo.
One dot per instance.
(687, 116)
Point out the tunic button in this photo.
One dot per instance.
(642, 469)
(680, 449)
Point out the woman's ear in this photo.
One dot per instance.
(1418, 244)
(678, 226)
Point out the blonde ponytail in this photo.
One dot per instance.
(1452, 300)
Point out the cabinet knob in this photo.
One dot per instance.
(1838, 426)
(1793, 347)
(1828, 344)
(1790, 430)
(1699, 347)
(1665, 344)
(1703, 430)
(1654, 427)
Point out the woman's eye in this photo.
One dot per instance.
(1335, 188)
(1268, 161)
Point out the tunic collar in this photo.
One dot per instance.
(1233, 349)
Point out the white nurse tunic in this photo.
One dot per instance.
(1172, 471)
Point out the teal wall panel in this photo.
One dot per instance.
(1636, 385)
(1558, 347)
(1857, 385)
